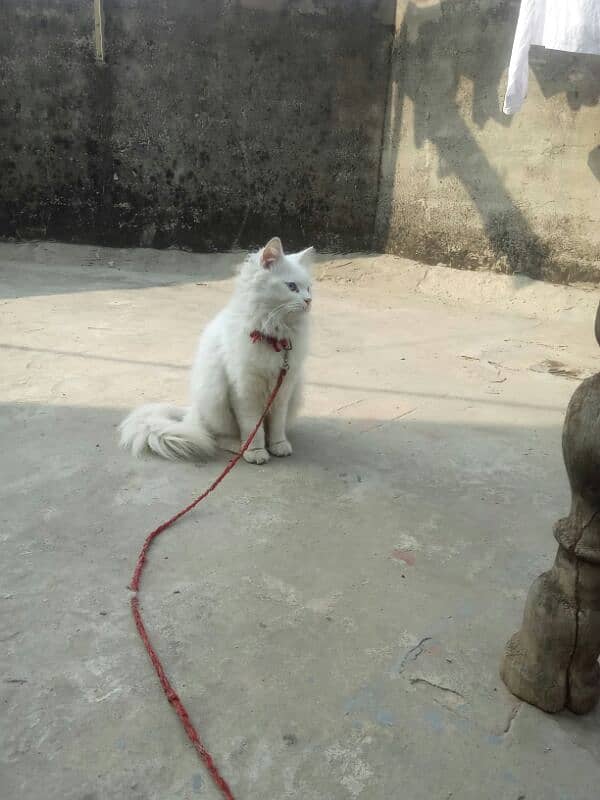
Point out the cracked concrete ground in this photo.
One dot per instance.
(334, 621)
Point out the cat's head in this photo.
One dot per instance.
(278, 285)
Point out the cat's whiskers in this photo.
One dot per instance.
(289, 306)
(273, 312)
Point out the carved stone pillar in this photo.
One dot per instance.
(552, 661)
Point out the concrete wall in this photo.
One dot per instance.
(464, 185)
(211, 124)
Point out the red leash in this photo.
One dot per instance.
(168, 689)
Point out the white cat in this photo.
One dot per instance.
(240, 354)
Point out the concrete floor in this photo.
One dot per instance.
(334, 621)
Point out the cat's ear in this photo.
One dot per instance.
(271, 253)
(306, 257)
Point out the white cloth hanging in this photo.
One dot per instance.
(571, 25)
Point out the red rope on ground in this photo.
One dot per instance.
(168, 689)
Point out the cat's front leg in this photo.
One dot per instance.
(256, 455)
(278, 443)
(247, 412)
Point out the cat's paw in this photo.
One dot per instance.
(257, 456)
(280, 449)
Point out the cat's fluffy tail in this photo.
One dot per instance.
(166, 431)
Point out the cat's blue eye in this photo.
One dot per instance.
(293, 287)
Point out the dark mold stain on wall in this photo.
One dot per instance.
(210, 124)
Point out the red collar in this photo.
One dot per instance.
(277, 344)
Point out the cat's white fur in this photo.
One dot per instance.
(232, 376)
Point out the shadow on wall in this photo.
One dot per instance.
(208, 125)
(438, 47)
(594, 162)
(577, 76)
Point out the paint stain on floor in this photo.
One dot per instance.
(404, 555)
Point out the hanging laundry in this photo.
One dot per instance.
(571, 25)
